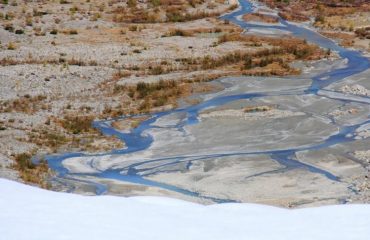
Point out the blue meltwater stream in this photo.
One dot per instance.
(137, 141)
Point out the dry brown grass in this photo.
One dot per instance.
(174, 11)
(346, 39)
(263, 108)
(296, 10)
(297, 47)
(260, 18)
(26, 104)
(30, 172)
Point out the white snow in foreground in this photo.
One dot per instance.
(35, 214)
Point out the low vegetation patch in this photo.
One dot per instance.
(296, 10)
(259, 17)
(77, 124)
(252, 109)
(30, 172)
(26, 104)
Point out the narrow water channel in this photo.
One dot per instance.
(137, 141)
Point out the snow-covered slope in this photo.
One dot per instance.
(31, 213)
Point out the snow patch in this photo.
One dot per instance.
(35, 214)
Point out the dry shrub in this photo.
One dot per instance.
(25, 104)
(77, 124)
(30, 172)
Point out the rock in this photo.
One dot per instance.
(356, 90)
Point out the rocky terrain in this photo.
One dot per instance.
(346, 21)
(166, 98)
(60, 63)
(64, 64)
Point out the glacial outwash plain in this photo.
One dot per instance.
(205, 101)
